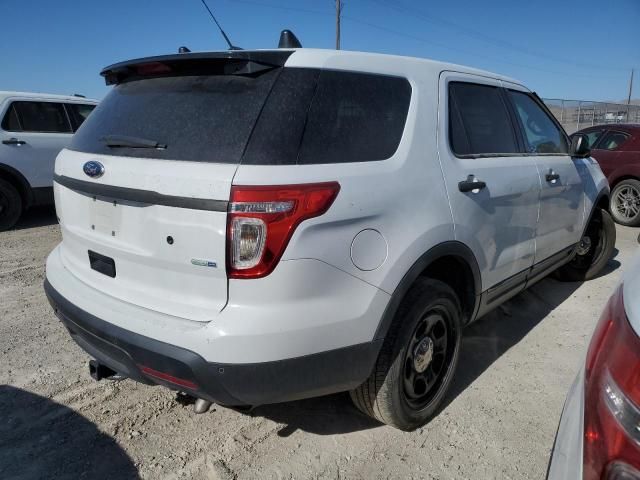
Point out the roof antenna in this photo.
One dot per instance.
(231, 46)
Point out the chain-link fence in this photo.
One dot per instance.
(577, 114)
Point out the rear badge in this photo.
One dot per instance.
(93, 169)
(203, 263)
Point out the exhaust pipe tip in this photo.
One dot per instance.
(98, 371)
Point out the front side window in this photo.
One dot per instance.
(542, 135)
(479, 122)
(593, 136)
(613, 141)
(45, 117)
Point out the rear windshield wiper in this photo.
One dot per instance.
(123, 141)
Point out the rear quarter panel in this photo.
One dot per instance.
(403, 197)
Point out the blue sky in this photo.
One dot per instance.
(577, 49)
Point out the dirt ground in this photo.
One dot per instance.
(499, 420)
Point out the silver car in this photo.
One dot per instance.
(599, 433)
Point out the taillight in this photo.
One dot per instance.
(261, 221)
(612, 397)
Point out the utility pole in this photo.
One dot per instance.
(630, 88)
(338, 14)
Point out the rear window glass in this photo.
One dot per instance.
(285, 116)
(198, 118)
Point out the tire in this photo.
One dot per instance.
(396, 393)
(10, 205)
(595, 250)
(625, 203)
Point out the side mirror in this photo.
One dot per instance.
(580, 146)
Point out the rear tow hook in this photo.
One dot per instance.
(99, 371)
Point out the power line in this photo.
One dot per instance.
(449, 47)
(420, 15)
(420, 39)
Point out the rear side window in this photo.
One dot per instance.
(48, 117)
(479, 122)
(78, 113)
(320, 116)
(203, 118)
(542, 135)
(355, 117)
(613, 141)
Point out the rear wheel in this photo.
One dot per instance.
(418, 358)
(10, 205)
(625, 203)
(594, 251)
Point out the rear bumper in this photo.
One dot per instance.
(228, 384)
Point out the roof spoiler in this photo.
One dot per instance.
(236, 62)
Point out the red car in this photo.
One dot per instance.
(616, 147)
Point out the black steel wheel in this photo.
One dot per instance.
(594, 250)
(417, 360)
(425, 358)
(10, 205)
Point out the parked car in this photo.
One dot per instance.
(34, 127)
(598, 435)
(253, 227)
(617, 149)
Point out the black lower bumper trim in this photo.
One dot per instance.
(226, 384)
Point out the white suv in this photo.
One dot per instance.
(34, 127)
(252, 227)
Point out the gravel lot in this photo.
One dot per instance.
(499, 420)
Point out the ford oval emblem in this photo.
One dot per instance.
(93, 169)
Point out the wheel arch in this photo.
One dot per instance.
(601, 202)
(451, 262)
(18, 180)
(621, 178)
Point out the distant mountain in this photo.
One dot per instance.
(634, 101)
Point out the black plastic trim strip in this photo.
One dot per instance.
(141, 196)
(519, 282)
(448, 248)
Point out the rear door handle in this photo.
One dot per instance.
(552, 176)
(14, 141)
(471, 184)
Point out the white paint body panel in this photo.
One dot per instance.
(35, 160)
(150, 272)
(284, 315)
